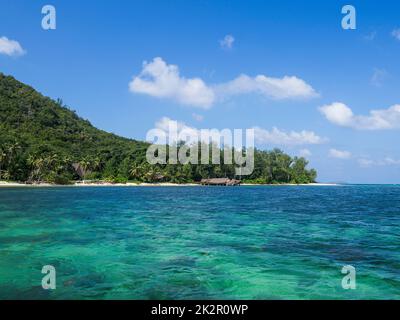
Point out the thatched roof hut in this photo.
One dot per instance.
(233, 182)
(220, 182)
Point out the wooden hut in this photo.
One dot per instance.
(220, 182)
(233, 182)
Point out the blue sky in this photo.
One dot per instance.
(99, 47)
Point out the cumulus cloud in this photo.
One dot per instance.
(339, 154)
(396, 34)
(283, 138)
(340, 114)
(275, 137)
(365, 163)
(276, 88)
(159, 79)
(176, 129)
(227, 42)
(10, 47)
(391, 161)
(388, 161)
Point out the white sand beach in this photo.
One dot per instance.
(130, 184)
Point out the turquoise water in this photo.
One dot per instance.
(200, 242)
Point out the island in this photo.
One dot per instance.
(44, 142)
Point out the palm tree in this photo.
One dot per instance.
(136, 171)
(64, 163)
(3, 158)
(97, 163)
(151, 174)
(85, 164)
(37, 164)
(31, 163)
(12, 151)
(5, 174)
(51, 162)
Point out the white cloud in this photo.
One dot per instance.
(177, 131)
(282, 138)
(339, 154)
(176, 128)
(276, 88)
(227, 42)
(388, 161)
(391, 161)
(340, 114)
(263, 137)
(378, 76)
(396, 33)
(158, 79)
(305, 153)
(365, 163)
(10, 47)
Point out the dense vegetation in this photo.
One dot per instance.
(43, 140)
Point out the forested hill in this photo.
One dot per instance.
(38, 127)
(43, 140)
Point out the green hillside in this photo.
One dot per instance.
(42, 140)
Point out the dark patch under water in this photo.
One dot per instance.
(286, 242)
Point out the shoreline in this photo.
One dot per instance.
(5, 184)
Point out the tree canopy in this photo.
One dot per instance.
(44, 140)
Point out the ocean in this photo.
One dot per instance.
(248, 242)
